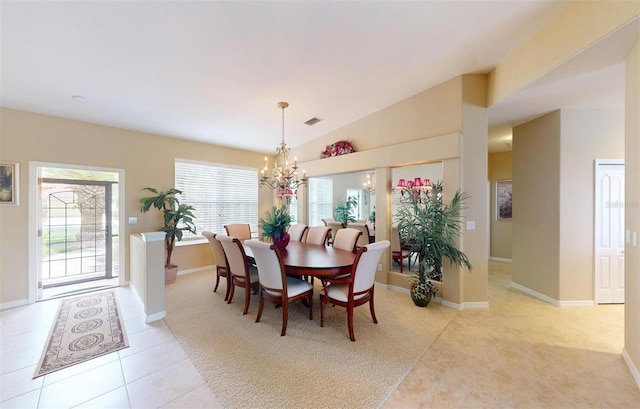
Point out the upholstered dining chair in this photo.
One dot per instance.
(275, 285)
(398, 254)
(296, 231)
(335, 226)
(356, 288)
(326, 220)
(346, 239)
(241, 274)
(221, 261)
(363, 239)
(318, 235)
(241, 231)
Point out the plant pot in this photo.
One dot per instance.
(421, 299)
(282, 242)
(170, 274)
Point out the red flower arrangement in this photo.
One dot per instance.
(337, 149)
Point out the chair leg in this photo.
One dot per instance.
(217, 282)
(350, 322)
(232, 290)
(322, 310)
(247, 298)
(401, 264)
(226, 295)
(371, 308)
(285, 317)
(260, 307)
(311, 306)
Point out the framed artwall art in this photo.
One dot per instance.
(503, 200)
(9, 183)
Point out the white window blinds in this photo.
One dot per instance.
(220, 194)
(320, 200)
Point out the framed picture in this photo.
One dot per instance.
(9, 183)
(503, 200)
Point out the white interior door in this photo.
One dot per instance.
(609, 234)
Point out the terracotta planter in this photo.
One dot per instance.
(282, 242)
(170, 274)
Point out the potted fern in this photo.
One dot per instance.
(431, 228)
(178, 218)
(275, 224)
(343, 211)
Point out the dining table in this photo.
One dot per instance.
(305, 259)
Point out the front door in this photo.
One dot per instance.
(609, 234)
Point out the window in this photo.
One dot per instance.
(320, 200)
(220, 195)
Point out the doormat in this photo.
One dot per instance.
(86, 327)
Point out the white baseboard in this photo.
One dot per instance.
(14, 304)
(195, 270)
(503, 260)
(155, 317)
(577, 303)
(632, 367)
(552, 301)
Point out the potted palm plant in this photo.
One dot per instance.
(431, 228)
(343, 211)
(274, 225)
(178, 217)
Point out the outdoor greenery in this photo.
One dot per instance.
(178, 217)
(344, 211)
(431, 228)
(275, 222)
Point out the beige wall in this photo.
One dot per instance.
(500, 240)
(632, 211)
(586, 135)
(536, 198)
(146, 159)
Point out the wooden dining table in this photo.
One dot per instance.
(303, 259)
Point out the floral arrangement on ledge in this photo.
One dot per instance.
(337, 149)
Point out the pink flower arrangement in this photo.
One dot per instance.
(337, 149)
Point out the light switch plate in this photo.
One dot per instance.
(133, 220)
(471, 225)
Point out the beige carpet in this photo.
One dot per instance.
(86, 327)
(249, 365)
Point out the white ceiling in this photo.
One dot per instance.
(214, 71)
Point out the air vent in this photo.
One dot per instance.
(313, 121)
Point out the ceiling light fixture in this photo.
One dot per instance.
(283, 177)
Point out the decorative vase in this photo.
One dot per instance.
(170, 274)
(421, 299)
(282, 242)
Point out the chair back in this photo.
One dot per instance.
(396, 247)
(366, 264)
(236, 257)
(216, 247)
(363, 239)
(241, 231)
(346, 239)
(335, 226)
(318, 235)
(270, 268)
(326, 220)
(296, 231)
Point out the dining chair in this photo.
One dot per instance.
(318, 235)
(241, 231)
(363, 239)
(220, 259)
(398, 254)
(296, 231)
(335, 226)
(275, 285)
(346, 239)
(241, 274)
(356, 288)
(326, 220)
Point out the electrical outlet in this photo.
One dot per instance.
(471, 225)
(379, 267)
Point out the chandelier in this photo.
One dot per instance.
(283, 178)
(370, 185)
(416, 187)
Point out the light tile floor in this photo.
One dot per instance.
(520, 353)
(154, 372)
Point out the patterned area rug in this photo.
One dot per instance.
(86, 327)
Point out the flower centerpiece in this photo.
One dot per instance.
(431, 228)
(275, 224)
(337, 149)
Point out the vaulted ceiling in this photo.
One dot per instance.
(215, 71)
